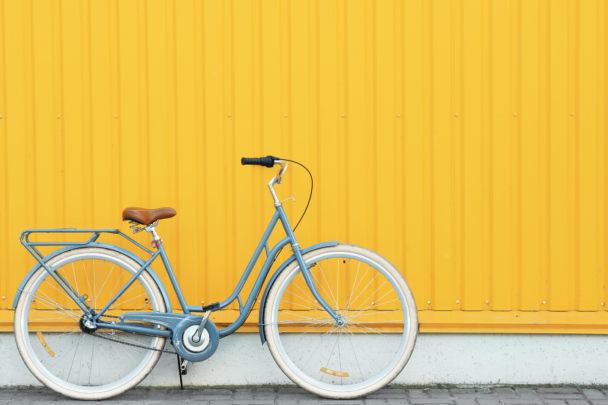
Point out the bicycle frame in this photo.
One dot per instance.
(187, 309)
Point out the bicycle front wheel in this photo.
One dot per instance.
(363, 352)
(66, 356)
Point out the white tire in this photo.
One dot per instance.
(390, 344)
(134, 363)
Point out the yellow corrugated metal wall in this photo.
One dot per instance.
(464, 140)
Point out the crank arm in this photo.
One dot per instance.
(201, 328)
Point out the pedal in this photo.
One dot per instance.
(184, 367)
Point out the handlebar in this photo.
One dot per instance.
(267, 161)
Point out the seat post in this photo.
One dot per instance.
(152, 229)
(155, 236)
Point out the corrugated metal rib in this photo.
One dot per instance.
(465, 141)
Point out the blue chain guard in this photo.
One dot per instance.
(178, 323)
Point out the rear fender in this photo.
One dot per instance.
(99, 245)
(276, 274)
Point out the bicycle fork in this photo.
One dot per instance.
(306, 270)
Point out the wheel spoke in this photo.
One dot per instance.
(289, 302)
(353, 289)
(347, 351)
(296, 295)
(366, 286)
(75, 279)
(371, 295)
(320, 284)
(375, 304)
(88, 359)
(328, 285)
(87, 276)
(131, 299)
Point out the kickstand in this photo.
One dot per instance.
(179, 371)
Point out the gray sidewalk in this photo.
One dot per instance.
(295, 396)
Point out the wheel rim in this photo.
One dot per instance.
(110, 364)
(306, 344)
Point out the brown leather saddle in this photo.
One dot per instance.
(145, 216)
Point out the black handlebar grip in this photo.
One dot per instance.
(267, 161)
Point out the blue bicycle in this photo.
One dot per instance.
(92, 319)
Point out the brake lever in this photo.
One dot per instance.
(281, 172)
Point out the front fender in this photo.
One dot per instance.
(100, 245)
(276, 274)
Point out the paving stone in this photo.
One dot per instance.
(42, 402)
(556, 390)
(379, 401)
(305, 395)
(525, 393)
(388, 393)
(593, 394)
(506, 393)
(488, 401)
(418, 393)
(439, 394)
(555, 402)
(265, 389)
(264, 395)
(167, 396)
(48, 397)
(42, 393)
(294, 396)
(431, 400)
(308, 401)
(525, 402)
(7, 394)
(292, 391)
(470, 393)
(308, 397)
(211, 398)
(465, 402)
(152, 401)
(563, 396)
(214, 391)
(211, 395)
(243, 394)
(133, 395)
(287, 402)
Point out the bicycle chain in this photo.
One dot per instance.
(128, 344)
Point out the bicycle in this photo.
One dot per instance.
(90, 342)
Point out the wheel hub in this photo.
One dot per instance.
(87, 325)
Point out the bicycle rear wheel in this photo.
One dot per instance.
(347, 359)
(72, 360)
